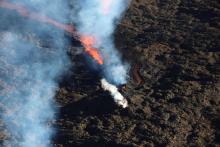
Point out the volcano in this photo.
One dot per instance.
(173, 90)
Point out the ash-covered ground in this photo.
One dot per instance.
(174, 87)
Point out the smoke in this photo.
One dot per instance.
(118, 98)
(98, 18)
(30, 72)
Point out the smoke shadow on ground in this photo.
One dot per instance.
(101, 103)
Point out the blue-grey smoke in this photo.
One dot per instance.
(92, 19)
(29, 72)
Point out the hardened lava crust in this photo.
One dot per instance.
(173, 91)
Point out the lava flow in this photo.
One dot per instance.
(86, 40)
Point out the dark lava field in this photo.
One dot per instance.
(173, 47)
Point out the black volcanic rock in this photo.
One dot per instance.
(177, 45)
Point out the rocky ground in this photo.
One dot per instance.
(174, 87)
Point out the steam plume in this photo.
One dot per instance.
(118, 98)
(97, 18)
(28, 103)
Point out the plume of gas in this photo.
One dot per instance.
(30, 100)
(98, 19)
(117, 96)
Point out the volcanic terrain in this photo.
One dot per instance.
(173, 91)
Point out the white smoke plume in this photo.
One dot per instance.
(118, 98)
(32, 72)
(98, 18)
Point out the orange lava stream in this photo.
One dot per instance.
(87, 41)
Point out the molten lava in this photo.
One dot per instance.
(87, 41)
